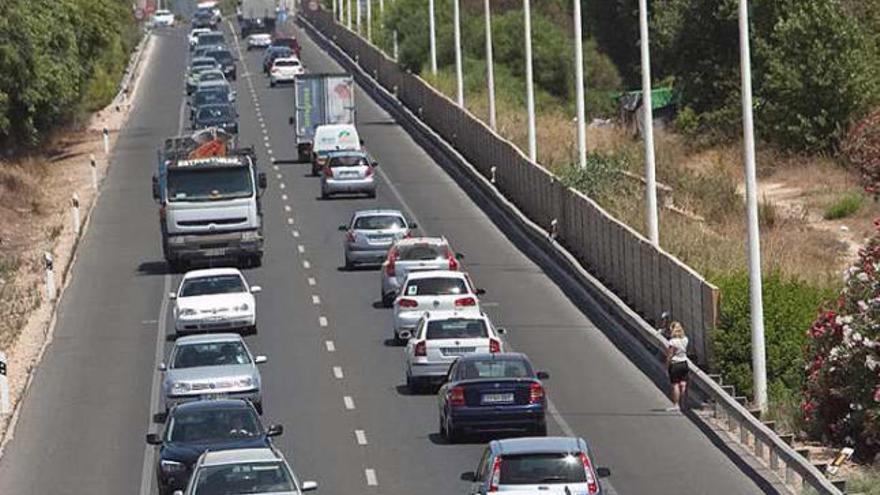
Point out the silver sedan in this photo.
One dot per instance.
(348, 172)
(370, 233)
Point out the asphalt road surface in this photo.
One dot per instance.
(332, 378)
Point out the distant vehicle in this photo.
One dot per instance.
(193, 428)
(552, 465)
(370, 233)
(348, 172)
(272, 53)
(258, 40)
(256, 16)
(212, 38)
(440, 338)
(289, 42)
(210, 367)
(439, 290)
(285, 70)
(415, 254)
(218, 115)
(163, 18)
(198, 66)
(204, 19)
(203, 76)
(492, 392)
(194, 36)
(208, 95)
(227, 62)
(320, 100)
(332, 138)
(214, 299)
(251, 471)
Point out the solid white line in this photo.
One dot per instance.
(349, 402)
(331, 347)
(316, 300)
(371, 477)
(301, 248)
(322, 320)
(337, 372)
(312, 281)
(361, 437)
(149, 450)
(306, 264)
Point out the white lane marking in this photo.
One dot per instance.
(276, 167)
(360, 436)
(306, 264)
(331, 347)
(287, 208)
(371, 477)
(316, 300)
(281, 185)
(295, 233)
(266, 138)
(349, 402)
(262, 124)
(279, 176)
(149, 450)
(337, 372)
(301, 248)
(269, 151)
(322, 320)
(283, 196)
(312, 281)
(290, 221)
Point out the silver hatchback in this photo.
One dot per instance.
(349, 172)
(415, 254)
(370, 233)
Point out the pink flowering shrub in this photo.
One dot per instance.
(842, 391)
(862, 148)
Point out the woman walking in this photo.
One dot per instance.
(677, 364)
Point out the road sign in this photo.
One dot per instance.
(150, 8)
(139, 14)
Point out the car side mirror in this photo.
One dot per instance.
(413, 225)
(162, 367)
(459, 256)
(260, 359)
(309, 486)
(480, 292)
(603, 472)
(501, 331)
(468, 476)
(264, 182)
(290, 120)
(275, 431)
(375, 164)
(256, 289)
(542, 375)
(343, 228)
(172, 296)
(154, 439)
(155, 188)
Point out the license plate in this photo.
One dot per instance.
(212, 396)
(457, 351)
(215, 252)
(348, 175)
(497, 398)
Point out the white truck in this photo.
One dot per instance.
(320, 99)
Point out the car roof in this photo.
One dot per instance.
(377, 212)
(208, 338)
(333, 127)
(418, 275)
(213, 404)
(452, 314)
(538, 445)
(203, 60)
(438, 241)
(235, 456)
(207, 272)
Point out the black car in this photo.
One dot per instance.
(274, 52)
(214, 38)
(209, 96)
(195, 427)
(204, 19)
(225, 59)
(221, 115)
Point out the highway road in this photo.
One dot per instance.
(332, 379)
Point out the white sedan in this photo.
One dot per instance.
(194, 35)
(285, 70)
(215, 299)
(433, 290)
(259, 40)
(163, 18)
(440, 338)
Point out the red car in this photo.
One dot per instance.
(291, 43)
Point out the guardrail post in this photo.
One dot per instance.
(74, 207)
(93, 164)
(774, 460)
(5, 403)
(49, 265)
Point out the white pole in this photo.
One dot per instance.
(459, 76)
(759, 365)
(394, 39)
(5, 403)
(359, 15)
(335, 10)
(648, 129)
(348, 15)
(530, 88)
(490, 69)
(369, 20)
(382, 8)
(74, 211)
(579, 85)
(49, 264)
(106, 134)
(433, 32)
(93, 165)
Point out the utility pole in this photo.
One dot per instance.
(579, 84)
(433, 31)
(490, 69)
(530, 88)
(369, 21)
(459, 76)
(759, 359)
(348, 15)
(648, 129)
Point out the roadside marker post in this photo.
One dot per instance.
(74, 206)
(94, 166)
(106, 135)
(5, 404)
(49, 263)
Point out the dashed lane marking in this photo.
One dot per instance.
(331, 347)
(349, 402)
(312, 281)
(290, 221)
(295, 233)
(360, 436)
(306, 264)
(281, 185)
(287, 208)
(322, 320)
(316, 300)
(301, 248)
(283, 196)
(337, 372)
(371, 477)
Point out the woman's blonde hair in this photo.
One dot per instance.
(676, 330)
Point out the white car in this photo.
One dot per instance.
(440, 338)
(245, 470)
(259, 40)
(285, 70)
(194, 35)
(164, 18)
(215, 299)
(433, 290)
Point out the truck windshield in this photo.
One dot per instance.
(209, 184)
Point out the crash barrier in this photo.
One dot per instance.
(130, 70)
(528, 190)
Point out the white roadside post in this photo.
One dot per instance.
(93, 165)
(648, 129)
(759, 364)
(530, 88)
(74, 211)
(370, 20)
(49, 265)
(579, 85)
(5, 403)
(348, 14)
(359, 15)
(335, 9)
(490, 69)
(459, 76)
(382, 9)
(106, 135)
(432, 29)
(394, 40)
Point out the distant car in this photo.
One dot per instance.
(163, 18)
(436, 290)
(220, 115)
(194, 35)
(258, 41)
(209, 367)
(214, 299)
(537, 465)
(291, 43)
(274, 52)
(204, 76)
(202, 51)
(331, 138)
(348, 172)
(208, 95)
(192, 428)
(198, 66)
(440, 338)
(204, 19)
(415, 254)
(212, 38)
(251, 471)
(285, 70)
(227, 62)
(370, 233)
(492, 392)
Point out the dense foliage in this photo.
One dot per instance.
(58, 58)
(862, 149)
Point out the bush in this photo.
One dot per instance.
(599, 176)
(861, 148)
(846, 206)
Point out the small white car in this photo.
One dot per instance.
(258, 40)
(433, 290)
(163, 18)
(440, 338)
(194, 35)
(285, 70)
(245, 470)
(214, 300)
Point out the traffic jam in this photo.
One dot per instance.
(209, 189)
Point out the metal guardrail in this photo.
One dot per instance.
(405, 91)
(131, 70)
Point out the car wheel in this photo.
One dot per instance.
(272, 84)
(324, 194)
(414, 385)
(452, 434)
(371, 194)
(348, 264)
(388, 300)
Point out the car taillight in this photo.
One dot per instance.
(494, 346)
(592, 484)
(369, 172)
(421, 349)
(389, 265)
(453, 263)
(349, 236)
(456, 397)
(536, 393)
(408, 303)
(162, 212)
(495, 480)
(465, 301)
(328, 172)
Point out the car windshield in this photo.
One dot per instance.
(210, 354)
(533, 469)
(494, 368)
(457, 328)
(210, 76)
(214, 112)
(209, 184)
(197, 70)
(379, 222)
(211, 96)
(213, 425)
(211, 39)
(221, 56)
(244, 478)
(420, 252)
(439, 286)
(287, 63)
(214, 284)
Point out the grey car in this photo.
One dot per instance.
(348, 172)
(415, 254)
(370, 233)
(212, 366)
(551, 465)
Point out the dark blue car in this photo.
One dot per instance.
(194, 427)
(492, 392)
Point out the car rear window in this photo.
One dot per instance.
(214, 112)
(210, 354)
(287, 63)
(379, 222)
(456, 329)
(211, 39)
(213, 424)
(533, 469)
(421, 252)
(215, 284)
(495, 368)
(440, 286)
(348, 161)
